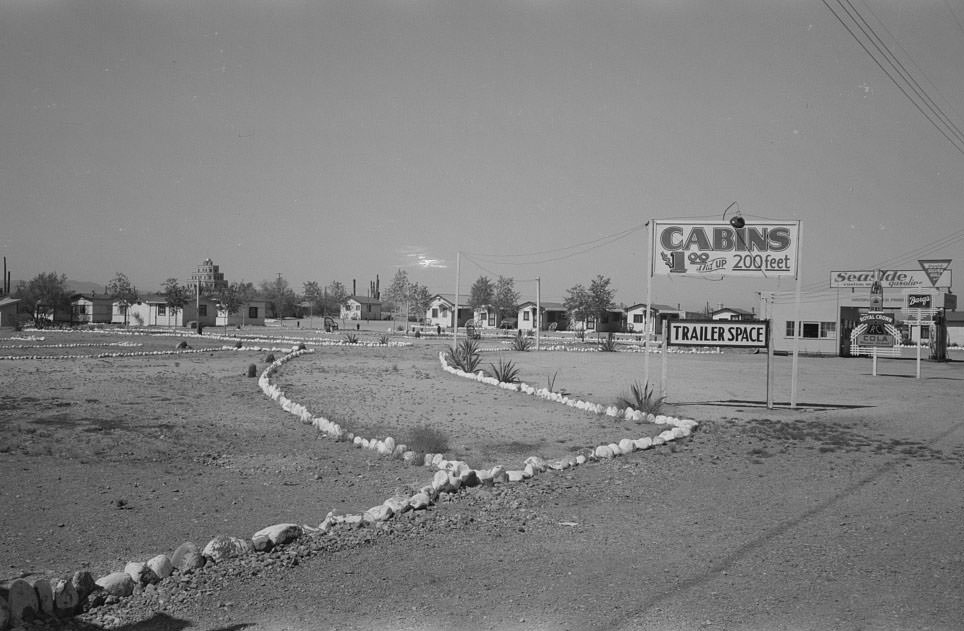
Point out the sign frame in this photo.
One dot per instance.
(724, 333)
(700, 248)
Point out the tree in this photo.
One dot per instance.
(419, 299)
(585, 304)
(314, 296)
(281, 298)
(121, 290)
(505, 298)
(601, 295)
(397, 293)
(337, 297)
(232, 297)
(175, 295)
(43, 296)
(481, 293)
(576, 303)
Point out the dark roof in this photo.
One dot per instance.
(954, 316)
(655, 307)
(546, 305)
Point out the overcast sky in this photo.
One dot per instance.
(340, 140)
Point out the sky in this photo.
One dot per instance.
(526, 138)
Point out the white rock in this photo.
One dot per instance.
(626, 446)
(279, 534)
(390, 444)
(186, 558)
(141, 574)
(420, 501)
(397, 503)
(224, 547)
(440, 480)
(538, 464)
(499, 474)
(378, 513)
(644, 443)
(117, 584)
(580, 459)
(603, 451)
(515, 475)
(161, 565)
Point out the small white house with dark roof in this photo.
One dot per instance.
(361, 308)
(636, 316)
(442, 307)
(554, 316)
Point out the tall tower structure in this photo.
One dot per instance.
(208, 276)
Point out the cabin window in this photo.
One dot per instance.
(253, 313)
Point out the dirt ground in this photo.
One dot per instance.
(845, 512)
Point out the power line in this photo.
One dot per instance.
(896, 71)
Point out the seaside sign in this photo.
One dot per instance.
(891, 279)
(699, 248)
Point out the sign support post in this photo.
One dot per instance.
(769, 364)
(796, 325)
(647, 319)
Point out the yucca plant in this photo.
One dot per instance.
(521, 343)
(465, 356)
(351, 338)
(609, 344)
(383, 340)
(505, 372)
(643, 398)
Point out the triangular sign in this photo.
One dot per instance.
(934, 268)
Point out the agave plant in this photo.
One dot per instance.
(643, 398)
(608, 345)
(383, 340)
(505, 372)
(521, 342)
(351, 338)
(465, 356)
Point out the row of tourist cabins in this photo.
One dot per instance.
(204, 310)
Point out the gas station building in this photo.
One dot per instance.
(829, 320)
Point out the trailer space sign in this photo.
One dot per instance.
(741, 333)
(696, 248)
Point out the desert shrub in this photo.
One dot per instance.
(252, 370)
(351, 338)
(238, 344)
(269, 358)
(608, 345)
(505, 372)
(181, 345)
(302, 347)
(427, 440)
(520, 343)
(383, 340)
(642, 398)
(465, 356)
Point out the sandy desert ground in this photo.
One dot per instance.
(844, 512)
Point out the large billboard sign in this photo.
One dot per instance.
(741, 333)
(890, 279)
(698, 248)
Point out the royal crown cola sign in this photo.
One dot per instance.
(698, 248)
